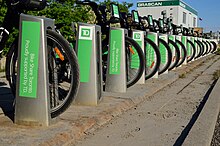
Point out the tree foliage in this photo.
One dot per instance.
(65, 12)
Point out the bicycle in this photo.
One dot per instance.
(133, 50)
(132, 21)
(62, 60)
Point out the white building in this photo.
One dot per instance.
(181, 12)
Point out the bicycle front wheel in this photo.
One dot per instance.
(63, 71)
(134, 61)
(153, 58)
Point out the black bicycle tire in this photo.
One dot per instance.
(205, 51)
(74, 66)
(158, 58)
(194, 50)
(215, 46)
(169, 56)
(200, 49)
(210, 47)
(177, 51)
(184, 52)
(141, 61)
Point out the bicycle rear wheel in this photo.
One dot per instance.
(63, 71)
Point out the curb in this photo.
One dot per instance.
(202, 131)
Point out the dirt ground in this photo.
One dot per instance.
(159, 120)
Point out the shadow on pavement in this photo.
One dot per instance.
(6, 101)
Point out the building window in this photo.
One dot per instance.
(194, 21)
(184, 17)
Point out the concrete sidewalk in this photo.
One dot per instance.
(78, 121)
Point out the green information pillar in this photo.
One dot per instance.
(163, 52)
(89, 52)
(184, 41)
(138, 36)
(32, 95)
(179, 37)
(196, 46)
(173, 50)
(150, 54)
(116, 68)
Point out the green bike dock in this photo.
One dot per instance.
(179, 38)
(163, 52)
(150, 55)
(173, 50)
(184, 41)
(189, 47)
(138, 36)
(116, 66)
(32, 97)
(196, 46)
(89, 52)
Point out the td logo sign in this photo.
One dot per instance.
(136, 36)
(85, 33)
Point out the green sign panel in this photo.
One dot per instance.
(136, 18)
(115, 51)
(30, 45)
(115, 11)
(184, 43)
(171, 37)
(163, 51)
(150, 54)
(84, 52)
(167, 3)
(135, 61)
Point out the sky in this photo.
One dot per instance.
(209, 11)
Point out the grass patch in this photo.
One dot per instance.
(216, 74)
(182, 76)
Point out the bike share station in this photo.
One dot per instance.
(173, 50)
(89, 52)
(150, 55)
(190, 50)
(116, 66)
(163, 52)
(32, 97)
(138, 36)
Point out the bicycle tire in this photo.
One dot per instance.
(74, 70)
(169, 56)
(157, 61)
(214, 47)
(210, 47)
(183, 48)
(129, 42)
(200, 49)
(194, 51)
(205, 46)
(177, 54)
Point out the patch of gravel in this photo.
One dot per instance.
(216, 135)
